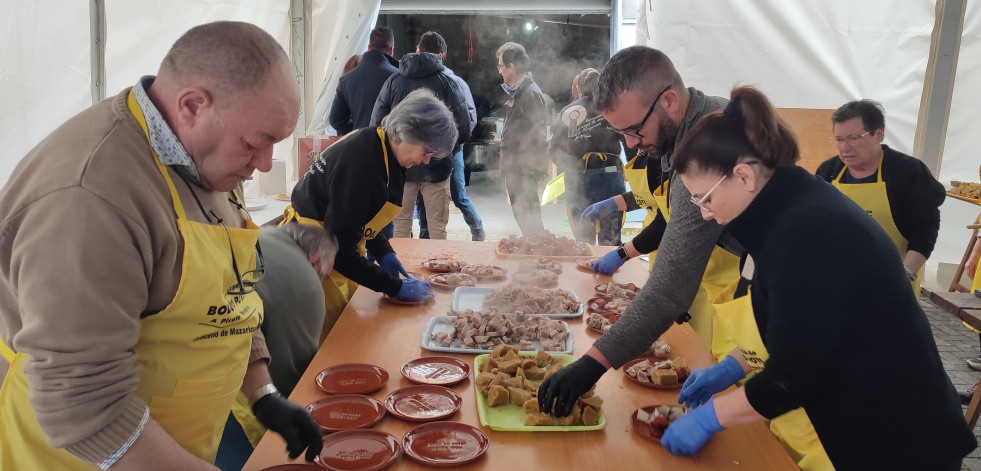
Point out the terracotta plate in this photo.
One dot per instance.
(442, 371)
(294, 467)
(405, 302)
(652, 431)
(627, 286)
(445, 443)
(499, 273)
(352, 378)
(432, 280)
(423, 403)
(359, 450)
(346, 412)
(611, 317)
(427, 265)
(598, 305)
(647, 384)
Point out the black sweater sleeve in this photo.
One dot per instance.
(649, 238)
(915, 197)
(354, 194)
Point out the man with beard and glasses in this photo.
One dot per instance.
(643, 97)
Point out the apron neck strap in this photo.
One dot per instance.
(381, 135)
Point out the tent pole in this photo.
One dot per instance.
(97, 35)
(938, 85)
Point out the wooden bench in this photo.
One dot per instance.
(967, 307)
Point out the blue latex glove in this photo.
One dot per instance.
(391, 264)
(608, 263)
(415, 290)
(597, 210)
(704, 383)
(688, 433)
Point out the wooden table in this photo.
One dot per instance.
(374, 331)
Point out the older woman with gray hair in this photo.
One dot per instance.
(354, 189)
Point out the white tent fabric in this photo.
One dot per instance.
(46, 57)
(44, 73)
(960, 158)
(341, 31)
(823, 54)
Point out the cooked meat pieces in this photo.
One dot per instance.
(444, 264)
(544, 243)
(515, 297)
(454, 279)
(486, 330)
(539, 264)
(481, 270)
(616, 291)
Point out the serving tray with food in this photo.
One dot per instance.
(506, 382)
(586, 264)
(514, 298)
(543, 245)
(481, 332)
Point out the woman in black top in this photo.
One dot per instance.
(847, 340)
(354, 189)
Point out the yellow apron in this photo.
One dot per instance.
(641, 190)
(873, 199)
(338, 289)
(793, 429)
(585, 163)
(721, 269)
(193, 354)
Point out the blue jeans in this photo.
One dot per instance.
(458, 192)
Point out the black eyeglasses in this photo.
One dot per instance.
(635, 132)
(244, 282)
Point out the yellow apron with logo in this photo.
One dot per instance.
(193, 354)
(793, 429)
(338, 289)
(873, 199)
(721, 269)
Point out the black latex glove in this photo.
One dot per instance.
(291, 421)
(566, 385)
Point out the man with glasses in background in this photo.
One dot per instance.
(127, 332)
(524, 149)
(431, 180)
(643, 97)
(894, 188)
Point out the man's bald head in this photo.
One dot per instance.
(225, 57)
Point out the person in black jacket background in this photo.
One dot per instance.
(425, 70)
(588, 152)
(358, 89)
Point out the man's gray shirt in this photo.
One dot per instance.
(680, 263)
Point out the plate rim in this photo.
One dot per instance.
(453, 395)
(463, 264)
(456, 361)
(318, 380)
(381, 411)
(482, 438)
(429, 279)
(395, 445)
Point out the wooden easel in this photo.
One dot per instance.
(955, 284)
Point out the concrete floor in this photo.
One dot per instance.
(954, 341)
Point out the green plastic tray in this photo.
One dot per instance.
(510, 418)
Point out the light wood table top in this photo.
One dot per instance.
(372, 330)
